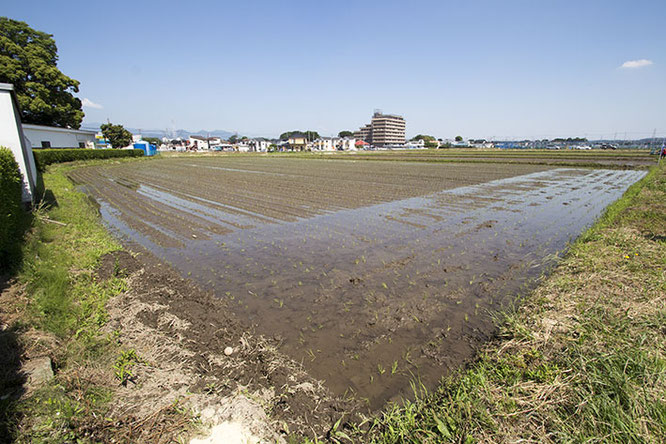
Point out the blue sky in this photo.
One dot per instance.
(493, 69)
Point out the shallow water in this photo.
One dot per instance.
(369, 298)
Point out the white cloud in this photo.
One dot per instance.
(87, 103)
(633, 64)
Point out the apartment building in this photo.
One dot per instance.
(383, 130)
(364, 133)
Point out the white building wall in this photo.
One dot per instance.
(198, 144)
(324, 145)
(11, 136)
(348, 144)
(58, 137)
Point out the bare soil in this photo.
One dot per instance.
(180, 333)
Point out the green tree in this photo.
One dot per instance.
(459, 139)
(345, 134)
(234, 138)
(28, 60)
(310, 135)
(116, 134)
(152, 140)
(429, 141)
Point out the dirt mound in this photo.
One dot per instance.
(117, 264)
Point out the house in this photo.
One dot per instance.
(198, 143)
(41, 136)
(345, 144)
(259, 145)
(243, 146)
(203, 143)
(297, 142)
(324, 144)
(415, 144)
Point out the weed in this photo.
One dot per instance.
(123, 366)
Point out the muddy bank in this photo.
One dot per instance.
(180, 334)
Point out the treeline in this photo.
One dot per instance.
(570, 139)
(310, 135)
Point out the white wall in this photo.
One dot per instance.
(58, 137)
(11, 136)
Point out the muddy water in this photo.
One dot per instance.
(370, 298)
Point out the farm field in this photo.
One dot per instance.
(591, 158)
(371, 273)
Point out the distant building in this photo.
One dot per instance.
(345, 144)
(384, 130)
(324, 144)
(259, 145)
(420, 143)
(198, 143)
(204, 143)
(41, 136)
(481, 143)
(364, 133)
(297, 142)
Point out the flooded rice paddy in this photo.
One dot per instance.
(371, 273)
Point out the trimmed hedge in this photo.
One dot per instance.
(13, 218)
(44, 157)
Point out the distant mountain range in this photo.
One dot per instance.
(182, 133)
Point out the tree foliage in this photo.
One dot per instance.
(116, 134)
(570, 139)
(429, 141)
(459, 139)
(424, 137)
(345, 134)
(310, 135)
(28, 60)
(152, 140)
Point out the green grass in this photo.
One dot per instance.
(582, 360)
(66, 301)
(60, 260)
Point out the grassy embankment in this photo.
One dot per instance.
(584, 357)
(55, 306)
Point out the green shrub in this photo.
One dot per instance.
(13, 218)
(44, 157)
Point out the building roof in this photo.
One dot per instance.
(57, 129)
